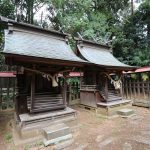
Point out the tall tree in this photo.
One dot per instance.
(132, 44)
(26, 9)
(6, 10)
(94, 19)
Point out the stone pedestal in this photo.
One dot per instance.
(110, 109)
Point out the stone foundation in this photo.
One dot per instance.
(110, 109)
(31, 127)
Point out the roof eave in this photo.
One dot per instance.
(48, 60)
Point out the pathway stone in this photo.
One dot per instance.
(99, 138)
(127, 146)
(82, 147)
(141, 139)
(106, 142)
(145, 132)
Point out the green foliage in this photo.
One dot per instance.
(134, 76)
(144, 76)
(92, 19)
(7, 8)
(73, 80)
(8, 137)
(132, 43)
(104, 21)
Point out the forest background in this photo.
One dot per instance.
(112, 22)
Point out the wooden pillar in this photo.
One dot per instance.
(127, 86)
(134, 89)
(138, 88)
(32, 91)
(81, 80)
(122, 85)
(94, 78)
(106, 88)
(65, 92)
(0, 93)
(148, 88)
(130, 89)
(143, 89)
(8, 96)
(16, 99)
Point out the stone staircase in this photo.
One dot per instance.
(46, 102)
(57, 135)
(112, 96)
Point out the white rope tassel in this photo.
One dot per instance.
(117, 84)
(53, 78)
(54, 82)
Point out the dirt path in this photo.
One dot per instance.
(96, 133)
(116, 134)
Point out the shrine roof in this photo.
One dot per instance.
(99, 54)
(28, 40)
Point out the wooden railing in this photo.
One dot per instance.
(138, 91)
(73, 92)
(89, 87)
(7, 93)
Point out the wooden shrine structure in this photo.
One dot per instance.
(101, 86)
(39, 56)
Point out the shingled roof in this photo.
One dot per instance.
(99, 54)
(28, 40)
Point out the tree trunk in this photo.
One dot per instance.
(30, 14)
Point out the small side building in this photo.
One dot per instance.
(101, 86)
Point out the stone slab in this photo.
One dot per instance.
(63, 145)
(55, 131)
(57, 140)
(31, 117)
(113, 103)
(125, 112)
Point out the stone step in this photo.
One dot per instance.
(57, 140)
(126, 112)
(55, 131)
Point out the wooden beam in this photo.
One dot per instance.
(106, 88)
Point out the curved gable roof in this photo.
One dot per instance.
(28, 40)
(99, 54)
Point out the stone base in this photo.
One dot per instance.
(31, 126)
(142, 103)
(109, 110)
(125, 113)
(62, 145)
